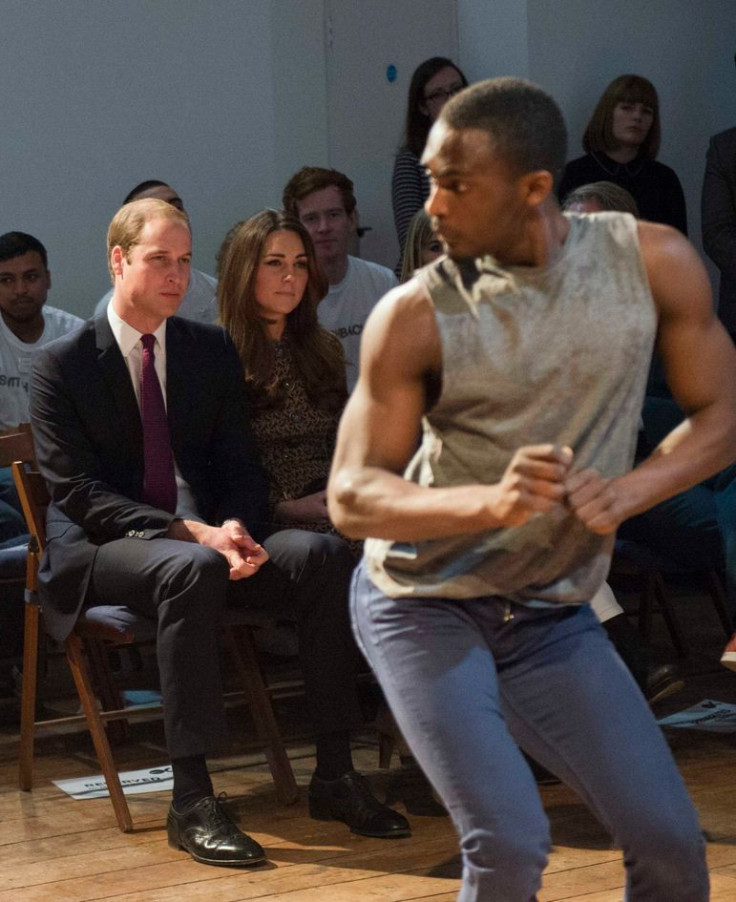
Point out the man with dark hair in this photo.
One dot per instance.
(142, 433)
(323, 199)
(200, 301)
(157, 189)
(523, 356)
(26, 324)
(718, 210)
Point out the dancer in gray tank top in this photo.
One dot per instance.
(521, 357)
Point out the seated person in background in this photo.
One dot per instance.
(199, 303)
(270, 287)
(324, 202)
(696, 528)
(719, 220)
(26, 324)
(142, 430)
(422, 245)
(621, 143)
(598, 197)
(433, 83)
(656, 682)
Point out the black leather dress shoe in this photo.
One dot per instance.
(662, 682)
(351, 801)
(207, 832)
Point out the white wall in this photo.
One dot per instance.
(493, 38)
(576, 47)
(226, 98)
(98, 95)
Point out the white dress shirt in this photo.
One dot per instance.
(129, 341)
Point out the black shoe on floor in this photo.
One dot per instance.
(210, 836)
(351, 801)
(662, 682)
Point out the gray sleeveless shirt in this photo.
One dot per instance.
(529, 356)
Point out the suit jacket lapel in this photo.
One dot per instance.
(178, 397)
(117, 377)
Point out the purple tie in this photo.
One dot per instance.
(159, 479)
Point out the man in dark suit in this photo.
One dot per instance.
(141, 427)
(719, 220)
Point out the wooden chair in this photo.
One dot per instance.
(633, 560)
(103, 626)
(12, 561)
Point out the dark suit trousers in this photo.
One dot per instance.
(185, 587)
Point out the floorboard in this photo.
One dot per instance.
(55, 849)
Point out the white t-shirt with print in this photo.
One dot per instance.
(346, 307)
(16, 362)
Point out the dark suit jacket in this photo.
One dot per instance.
(719, 219)
(89, 442)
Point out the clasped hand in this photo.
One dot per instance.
(539, 477)
(243, 553)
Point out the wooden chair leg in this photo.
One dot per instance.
(670, 618)
(249, 671)
(107, 690)
(720, 600)
(31, 629)
(78, 667)
(646, 605)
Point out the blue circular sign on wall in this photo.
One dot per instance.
(391, 73)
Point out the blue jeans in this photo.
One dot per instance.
(465, 686)
(12, 523)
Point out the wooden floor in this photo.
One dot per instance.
(59, 850)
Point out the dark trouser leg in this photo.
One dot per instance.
(183, 586)
(12, 523)
(308, 579)
(724, 485)
(684, 528)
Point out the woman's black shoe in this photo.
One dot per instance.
(207, 832)
(351, 801)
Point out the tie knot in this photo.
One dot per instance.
(148, 341)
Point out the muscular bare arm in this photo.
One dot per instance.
(367, 495)
(700, 362)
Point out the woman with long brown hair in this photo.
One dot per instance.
(621, 143)
(432, 84)
(269, 288)
(268, 293)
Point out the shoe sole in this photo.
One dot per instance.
(244, 863)
(316, 815)
(666, 691)
(728, 659)
(398, 834)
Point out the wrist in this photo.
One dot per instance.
(630, 497)
(188, 531)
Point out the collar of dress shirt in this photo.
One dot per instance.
(127, 337)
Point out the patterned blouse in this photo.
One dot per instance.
(296, 441)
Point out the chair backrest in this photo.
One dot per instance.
(34, 499)
(17, 452)
(17, 445)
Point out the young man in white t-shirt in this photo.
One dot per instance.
(324, 201)
(25, 325)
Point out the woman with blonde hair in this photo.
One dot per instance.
(422, 245)
(598, 197)
(621, 144)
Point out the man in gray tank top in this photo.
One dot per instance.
(522, 358)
